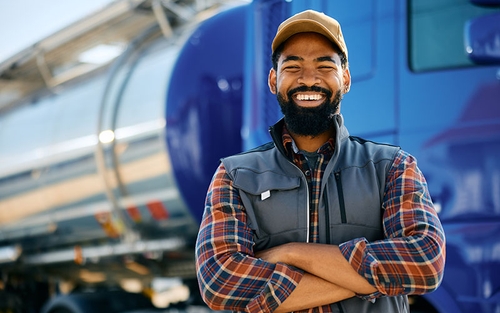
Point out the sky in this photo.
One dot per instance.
(25, 22)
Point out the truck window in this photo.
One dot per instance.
(436, 32)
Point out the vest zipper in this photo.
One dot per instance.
(308, 211)
(341, 198)
(308, 208)
(327, 218)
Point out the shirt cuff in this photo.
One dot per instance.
(281, 284)
(355, 252)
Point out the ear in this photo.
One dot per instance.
(271, 81)
(347, 79)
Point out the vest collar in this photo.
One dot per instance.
(276, 131)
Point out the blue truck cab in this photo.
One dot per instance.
(426, 77)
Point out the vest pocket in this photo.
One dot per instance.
(274, 205)
(340, 191)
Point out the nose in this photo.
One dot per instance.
(308, 77)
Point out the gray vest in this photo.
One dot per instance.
(275, 195)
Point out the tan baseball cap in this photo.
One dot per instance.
(310, 21)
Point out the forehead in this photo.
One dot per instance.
(309, 44)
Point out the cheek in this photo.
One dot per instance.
(283, 84)
(335, 84)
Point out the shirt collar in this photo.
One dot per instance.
(291, 148)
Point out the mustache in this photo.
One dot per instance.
(325, 91)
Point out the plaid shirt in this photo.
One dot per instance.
(231, 278)
(313, 176)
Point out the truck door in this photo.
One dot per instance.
(450, 120)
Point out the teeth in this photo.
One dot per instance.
(308, 97)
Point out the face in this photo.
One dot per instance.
(309, 83)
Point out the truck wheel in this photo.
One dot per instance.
(102, 301)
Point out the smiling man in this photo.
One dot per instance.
(317, 220)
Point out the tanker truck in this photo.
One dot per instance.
(104, 164)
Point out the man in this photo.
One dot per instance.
(317, 220)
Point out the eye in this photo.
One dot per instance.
(291, 68)
(326, 67)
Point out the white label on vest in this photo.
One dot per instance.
(266, 194)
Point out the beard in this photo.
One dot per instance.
(309, 121)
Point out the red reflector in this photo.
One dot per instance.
(157, 210)
(134, 213)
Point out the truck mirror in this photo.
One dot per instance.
(482, 39)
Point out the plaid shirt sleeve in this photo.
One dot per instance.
(229, 275)
(411, 258)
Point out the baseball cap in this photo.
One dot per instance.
(310, 21)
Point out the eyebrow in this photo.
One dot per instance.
(292, 58)
(320, 59)
(326, 58)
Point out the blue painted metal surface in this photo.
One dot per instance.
(204, 104)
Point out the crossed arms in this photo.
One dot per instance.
(326, 268)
